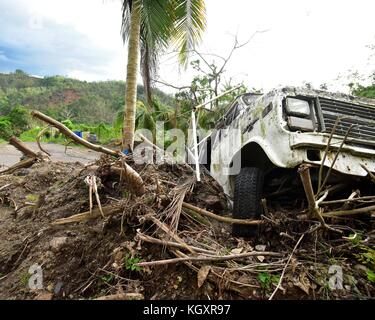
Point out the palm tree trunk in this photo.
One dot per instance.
(146, 74)
(131, 78)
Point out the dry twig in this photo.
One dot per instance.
(286, 266)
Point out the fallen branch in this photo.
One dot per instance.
(304, 172)
(210, 258)
(166, 243)
(286, 265)
(347, 200)
(213, 276)
(349, 212)
(169, 232)
(19, 145)
(320, 176)
(40, 134)
(334, 160)
(371, 175)
(27, 163)
(6, 186)
(131, 176)
(70, 134)
(221, 218)
(107, 211)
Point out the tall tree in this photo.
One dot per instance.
(156, 24)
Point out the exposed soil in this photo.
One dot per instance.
(65, 97)
(98, 257)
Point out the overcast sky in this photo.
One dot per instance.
(304, 40)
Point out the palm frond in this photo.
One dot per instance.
(125, 25)
(157, 22)
(190, 23)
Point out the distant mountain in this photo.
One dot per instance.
(65, 98)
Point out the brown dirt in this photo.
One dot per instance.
(65, 97)
(95, 258)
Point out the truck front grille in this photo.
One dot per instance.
(360, 116)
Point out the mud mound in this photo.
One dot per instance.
(159, 245)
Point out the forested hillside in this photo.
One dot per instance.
(64, 98)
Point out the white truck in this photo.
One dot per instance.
(284, 129)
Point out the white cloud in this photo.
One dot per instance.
(308, 40)
(3, 57)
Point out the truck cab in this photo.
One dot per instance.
(285, 128)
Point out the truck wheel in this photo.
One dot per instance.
(247, 199)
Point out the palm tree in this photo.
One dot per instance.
(155, 24)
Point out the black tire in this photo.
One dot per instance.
(248, 190)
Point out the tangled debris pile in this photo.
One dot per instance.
(150, 241)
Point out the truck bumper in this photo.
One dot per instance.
(350, 160)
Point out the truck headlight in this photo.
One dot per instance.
(298, 107)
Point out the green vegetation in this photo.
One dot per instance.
(25, 278)
(107, 278)
(367, 92)
(363, 90)
(14, 123)
(64, 98)
(130, 263)
(267, 280)
(151, 27)
(365, 255)
(80, 105)
(98, 107)
(32, 197)
(104, 133)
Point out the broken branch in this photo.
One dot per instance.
(131, 176)
(221, 218)
(314, 210)
(210, 258)
(166, 243)
(349, 212)
(70, 134)
(107, 211)
(19, 145)
(40, 134)
(22, 164)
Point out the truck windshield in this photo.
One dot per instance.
(250, 98)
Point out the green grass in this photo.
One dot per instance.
(25, 277)
(104, 134)
(32, 197)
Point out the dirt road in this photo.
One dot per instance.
(9, 155)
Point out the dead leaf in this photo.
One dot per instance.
(261, 258)
(202, 275)
(236, 251)
(303, 283)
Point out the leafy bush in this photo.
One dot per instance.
(367, 92)
(5, 128)
(20, 119)
(68, 123)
